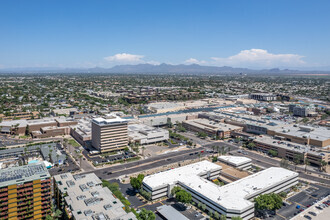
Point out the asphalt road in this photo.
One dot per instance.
(149, 163)
(267, 162)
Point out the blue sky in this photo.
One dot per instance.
(246, 33)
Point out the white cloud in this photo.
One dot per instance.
(195, 61)
(259, 58)
(125, 58)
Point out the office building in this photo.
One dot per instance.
(109, 133)
(234, 199)
(82, 196)
(290, 150)
(211, 128)
(241, 163)
(144, 134)
(25, 192)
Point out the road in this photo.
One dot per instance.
(149, 163)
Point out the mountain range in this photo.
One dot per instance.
(162, 69)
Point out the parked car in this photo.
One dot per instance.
(312, 213)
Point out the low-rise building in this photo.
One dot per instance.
(290, 151)
(82, 196)
(234, 199)
(316, 136)
(263, 96)
(144, 134)
(241, 163)
(211, 128)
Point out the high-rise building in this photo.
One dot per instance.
(109, 133)
(25, 192)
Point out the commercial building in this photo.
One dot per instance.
(234, 199)
(242, 163)
(82, 132)
(290, 150)
(144, 134)
(316, 136)
(211, 128)
(109, 133)
(82, 196)
(162, 107)
(167, 212)
(263, 96)
(25, 192)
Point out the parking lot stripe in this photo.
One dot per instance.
(280, 215)
(300, 204)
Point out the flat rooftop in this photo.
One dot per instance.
(300, 148)
(316, 133)
(109, 119)
(235, 160)
(208, 124)
(234, 196)
(88, 200)
(22, 174)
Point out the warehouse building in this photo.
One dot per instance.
(234, 199)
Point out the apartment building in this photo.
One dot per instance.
(234, 199)
(109, 133)
(25, 192)
(82, 196)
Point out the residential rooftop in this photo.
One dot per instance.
(22, 174)
(88, 200)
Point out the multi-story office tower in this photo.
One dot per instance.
(109, 133)
(25, 192)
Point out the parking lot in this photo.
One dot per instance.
(301, 201)
(110, 158)
(130, 194)
(7, 141)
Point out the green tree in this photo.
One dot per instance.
(323, 164)
(222, 217)
(183, 197)
(146, 215)
(136, 182)
(273, 153)
(284, 163)
(251, 145)
(268, 202)
(202, 134)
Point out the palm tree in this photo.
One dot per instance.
(323, 164)
(307, 163)
(143, 148)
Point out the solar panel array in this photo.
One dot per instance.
(17, 173)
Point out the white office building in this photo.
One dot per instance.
(145, 134)
(234, 199)
(242, 163)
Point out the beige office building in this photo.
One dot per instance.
(109, 133)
